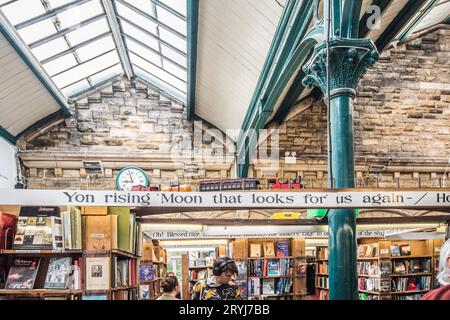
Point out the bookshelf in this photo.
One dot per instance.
(72, 291)
(322, 275)
(271, 268)
(152, 270)
(395, 269)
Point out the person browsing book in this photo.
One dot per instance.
(172, 274)
(220, 285)
(443, 292)
(170, 288)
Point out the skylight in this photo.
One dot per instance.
(79, 43)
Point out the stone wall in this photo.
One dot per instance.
(125, 123)
(401, 122)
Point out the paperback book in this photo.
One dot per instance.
(22, 273)
(58, 273)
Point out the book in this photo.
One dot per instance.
(268, 286)
(269, 249)
(273, 268)
(22, 273)
(8, 223)
(144, 292)
(58, 273)
(399, 267)
(98, 273)
(146, 272)
(255, 250)
(395, 250)
(98, 232)
(242, 269)
(282, 249)
(95, 297)
(75, 227)
(405, 250)
(124, 226)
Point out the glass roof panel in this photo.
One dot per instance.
(106, 74)
(77, 45)
(159, 84)
(86, 69)
(75, 88)
(172, 39)
(79, 13)
(88, 32)
(136, 17)
(95, 48)
(177, 5)
(174, 56)
(143, 5)
(60, 64)
(23, 10)
(38, 30)
(50, 48)
(128, 29)
(171, 20)
(158, 72)
(143, 52)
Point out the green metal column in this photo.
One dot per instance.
(342, 223)
(349, 58)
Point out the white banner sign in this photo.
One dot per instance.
(184, 235)
(354, 198)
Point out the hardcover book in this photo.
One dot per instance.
(22, 273)
(269, 249)
(58, 273)
(98, 273)
(255, 250)
(405, 250)
(282, 249)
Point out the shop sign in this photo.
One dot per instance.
(185, 235)
(338, 198)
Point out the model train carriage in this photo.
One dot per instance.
(229, 184)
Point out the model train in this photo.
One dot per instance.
(230, 184)
(249, 184)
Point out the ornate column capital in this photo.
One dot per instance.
(349, 60)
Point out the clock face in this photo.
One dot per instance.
(130, 177)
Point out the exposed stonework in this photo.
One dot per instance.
(124, 124)
(401, 122)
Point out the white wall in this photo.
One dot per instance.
(8, 165)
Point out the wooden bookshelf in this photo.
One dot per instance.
(321, 261)
(204, 267)
(156, 257)
(378, 255)
(292, 260)
(38, 292)
(33, 252)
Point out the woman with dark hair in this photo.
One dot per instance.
(170, 289)
(220, 285)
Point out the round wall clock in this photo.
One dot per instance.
(130, 177)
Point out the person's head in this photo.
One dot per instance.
(444, 264)
(224, 268)
(170, 285)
